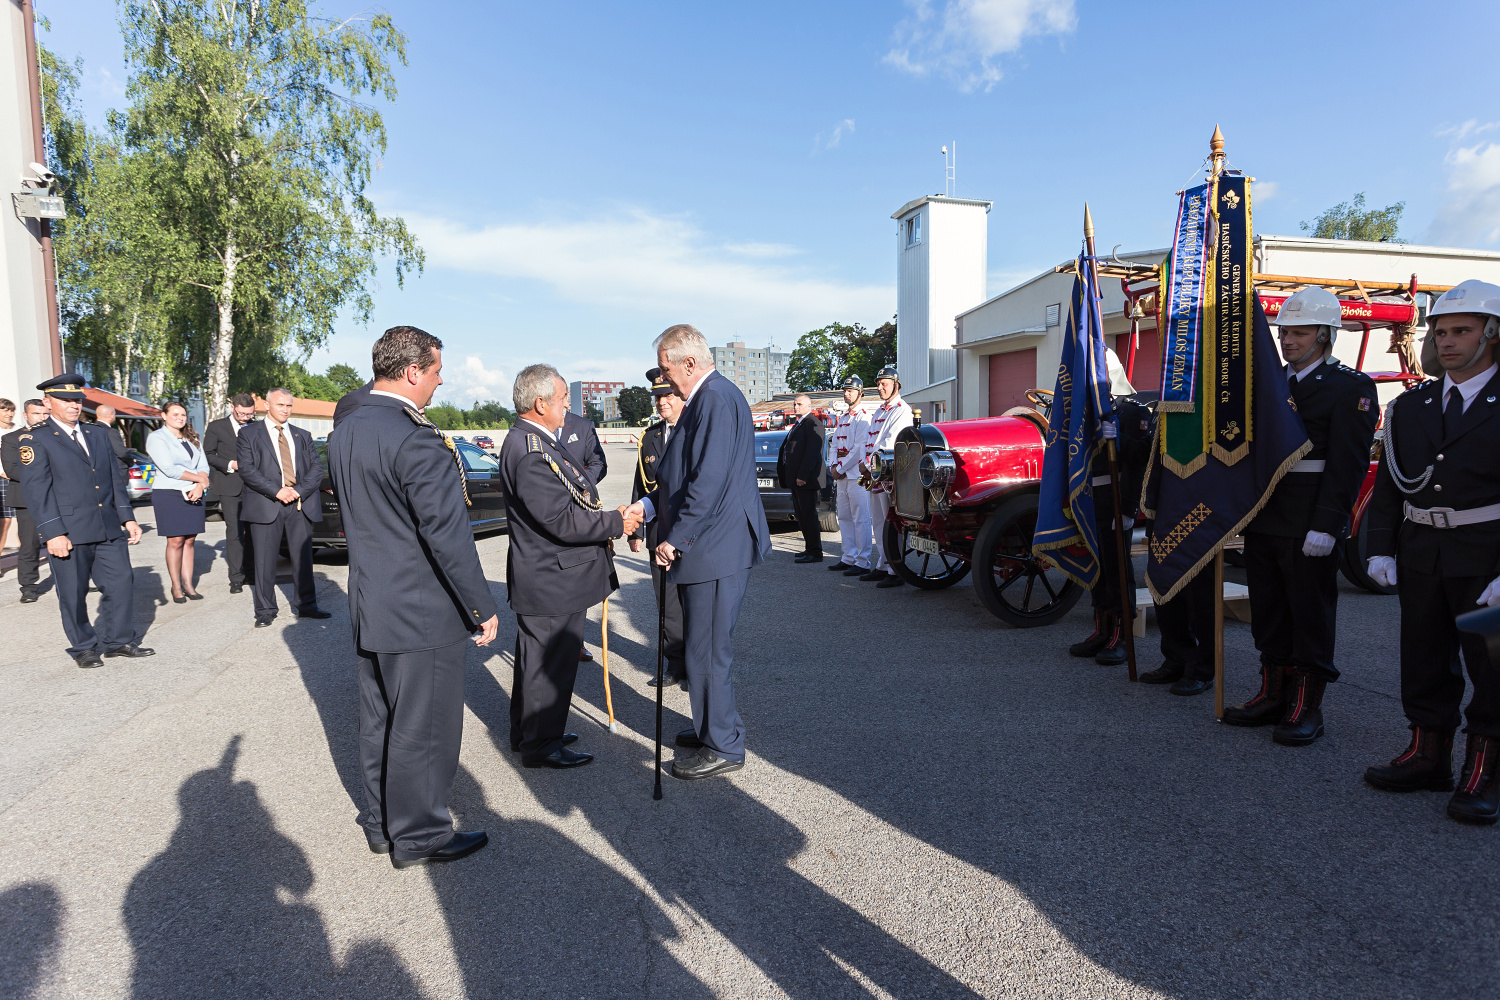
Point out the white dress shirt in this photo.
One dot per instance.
(549, 435)
(1469, 388)
(75, 434)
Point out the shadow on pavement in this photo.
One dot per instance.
(31, 917)
(220, 912)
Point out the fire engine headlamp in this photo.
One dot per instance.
(937, 469)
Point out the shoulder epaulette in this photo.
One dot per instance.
(533, 443)
(458, 462)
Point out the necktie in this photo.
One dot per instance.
(1453, 412)
(78, 436)
(287, 479)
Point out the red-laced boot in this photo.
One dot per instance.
(1268, 706)
(1303, 723)
(1095, 641)
(1113, 652)
(1426, 765)
(1478, 797)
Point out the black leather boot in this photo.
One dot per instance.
(1427, 764)
(1113, 653)
(1478, 797)
(1268, 706)
(1303, 723)
(1095, 641)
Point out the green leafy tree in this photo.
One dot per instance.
(491, 415)
(866, 352)
(814, 362)
(592, 412)
(1350, 220)
(257, 146)
(345, 378)
(636, 404)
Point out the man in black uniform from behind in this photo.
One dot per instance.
(653, 445)
(1132, 433)
(1293, 547)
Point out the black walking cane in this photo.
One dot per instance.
(661, 647)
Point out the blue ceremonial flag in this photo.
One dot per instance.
(1066, 535)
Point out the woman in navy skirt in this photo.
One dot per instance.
(177, 495)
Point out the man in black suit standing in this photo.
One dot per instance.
(560, 563)
(104, 415)
(800, 468)
(281, 473)
(221, 447)
(582, 442)
(417, 596)
(653, 446)
(29, 560)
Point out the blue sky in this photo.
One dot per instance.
(582, 175)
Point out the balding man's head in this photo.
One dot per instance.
(105, 414)
(802, 405)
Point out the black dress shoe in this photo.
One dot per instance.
(891, 580)
(584, 656)
(28, 597)
(178, 600)
(874, 575)
(1189, 686)
(131, 649)
(1163, 674)
(236, 588)
(809, 557)
(567, 740)
(559, 758)
(88, 658)
(261, 621)
(840, 566)
(688, 738)
(704, 764)
(318, 613)
(855, 571)
(670, 679)
(461, 846)
(381, 847)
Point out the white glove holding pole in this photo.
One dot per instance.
(1382, 570)
(1317, 544)
(1491, 594)
(1109, 431)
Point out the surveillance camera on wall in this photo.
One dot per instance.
(43, 176)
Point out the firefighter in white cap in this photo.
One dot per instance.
(1435, 535)
(850, 433)
(1293, 547)
(890, 418)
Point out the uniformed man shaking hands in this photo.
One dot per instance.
(75, 490)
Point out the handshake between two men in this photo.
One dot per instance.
(636, 515)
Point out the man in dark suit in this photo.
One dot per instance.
(713, 532)
(417, 595)
(560, 563)
(280, 471)
(800, 468)
(1435, 512)
(351, 401)
(75, 490)
(582, 442)
(104, 415)
(221, 447)
(653, 446)
(29, 559)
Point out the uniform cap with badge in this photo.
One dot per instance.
(66, 386)
(659, 384)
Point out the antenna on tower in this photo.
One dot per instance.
(950, 171)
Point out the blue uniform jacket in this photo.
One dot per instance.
(68, 492)
(706, 495)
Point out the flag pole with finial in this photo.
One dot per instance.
(1122, 548)
(1216, 157)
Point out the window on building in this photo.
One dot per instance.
(914, 230)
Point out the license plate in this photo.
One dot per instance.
(765, 484)
(924, 545)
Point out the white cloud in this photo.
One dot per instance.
(1264, 190)
(830, 140)
(965, 39)
(1471, 212)
(469, 380)
(659, 269)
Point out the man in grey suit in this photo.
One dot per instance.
(713, 532)
(417, 597)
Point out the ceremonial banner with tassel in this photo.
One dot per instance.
(1228, 352)
(1066, 534)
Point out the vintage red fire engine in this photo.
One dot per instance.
(964, 492)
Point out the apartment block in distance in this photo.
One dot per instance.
(760, 372)
(581, 394)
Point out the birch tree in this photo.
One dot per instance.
(257, 147)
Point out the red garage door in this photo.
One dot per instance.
(1011, 374)
(1147, 375)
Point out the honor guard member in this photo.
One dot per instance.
(890, 418)
(1293, 547)
(1435, 534)
(1132, 433)
(850, 433)
(75, 491)
(560, 563)
(29, 560)
(653, 445)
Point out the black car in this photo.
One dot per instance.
(778, 501)
(486, 499)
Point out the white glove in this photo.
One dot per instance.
(1382, 570)
(1317, 544)
(1109, 431)
(1491, 594)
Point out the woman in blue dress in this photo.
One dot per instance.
(177, 495)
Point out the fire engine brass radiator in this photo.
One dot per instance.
(910, 497)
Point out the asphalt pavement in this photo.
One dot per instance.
(934, 805)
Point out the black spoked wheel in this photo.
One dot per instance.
(1356, 553)
(924, 570)
(1018, 588)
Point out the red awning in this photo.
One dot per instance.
(124, 405)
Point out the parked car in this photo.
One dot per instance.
(778, 501)
(138, 477)
(483, 441)
(486, 499)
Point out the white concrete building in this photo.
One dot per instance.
(1013, 341)
(760, 372)
(941, 260)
